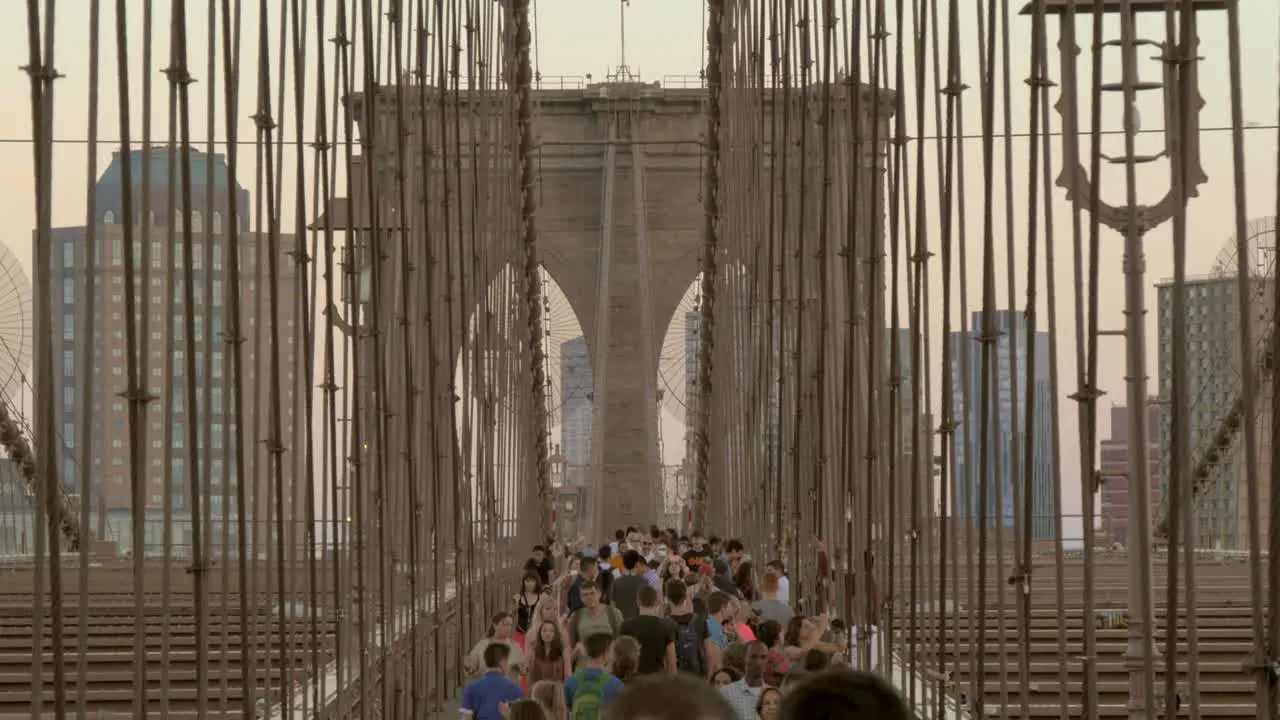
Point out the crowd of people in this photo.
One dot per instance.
(656, 625)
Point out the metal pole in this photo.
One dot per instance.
(1139, 651)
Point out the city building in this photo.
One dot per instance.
(1214, 382)
(1005, 439)
(91, 351)
(913, 431)
(748, 364)
(1113, 464)
(576, 408)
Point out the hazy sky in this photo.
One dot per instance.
(664, 38)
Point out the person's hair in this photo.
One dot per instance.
(626, 657)
(539, 548)
(654, 532)
(526, 710)
(713, 539)
(744, 579)
(768, 632)
(720, 566)
(677, 591)
(597, 645)
(669, 697)
(647, 597)
(792, 636)
(654, 564)
(631, 529)
(696, 534)
(496, 653)
(734, 545)
(816, 660)
(691, 579)
(717, 602)
(734, 675)
(542, 650)
(550, 695)
(619, 535)
(630, 559)
(735, 656)
(588, 585)
(792, 678)
(605, 552)
(777, 565)
(769, 581)
(843, 693)
(533, 575)
(765, 694)
(497, 618)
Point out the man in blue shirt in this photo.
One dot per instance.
(484, 698)
(719, 612)
(592, 687)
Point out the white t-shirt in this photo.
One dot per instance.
(784, 589)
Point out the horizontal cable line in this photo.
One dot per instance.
(910, 138)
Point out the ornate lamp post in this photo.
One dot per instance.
(1132, 220)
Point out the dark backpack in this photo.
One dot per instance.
(691, 656)
(588, 697)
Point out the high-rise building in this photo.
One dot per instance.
(915, 432)
(1214, 383)
(1113, 463)
(100, 337)
(1005, 440)
(748, 365)
(576, 409)
(692, 321)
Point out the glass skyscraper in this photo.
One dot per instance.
(1006, 437)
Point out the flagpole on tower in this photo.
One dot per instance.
(623, 70)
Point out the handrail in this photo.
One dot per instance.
(402, 622)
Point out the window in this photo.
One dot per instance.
(109, 218)
(68, 255)
(69, 433)
(197, 221)
(117, 250)
(68, 327)
(68, 362)
(217, 222)
(217, 251)
(68, 290)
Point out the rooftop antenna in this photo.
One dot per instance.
(624, 73)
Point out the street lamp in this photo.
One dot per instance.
(1133, 221)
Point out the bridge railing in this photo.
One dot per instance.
(336, 698)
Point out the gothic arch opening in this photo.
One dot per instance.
(492, 376)
(677, 381)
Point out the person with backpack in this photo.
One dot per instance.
(595, 617)
(695, 652)
(588, 690)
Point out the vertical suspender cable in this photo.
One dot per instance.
(90, 258)
(529, 240)
(710, 259)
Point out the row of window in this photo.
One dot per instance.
(248, 254)
(109, 217)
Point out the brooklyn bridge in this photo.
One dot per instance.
(332, 311)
